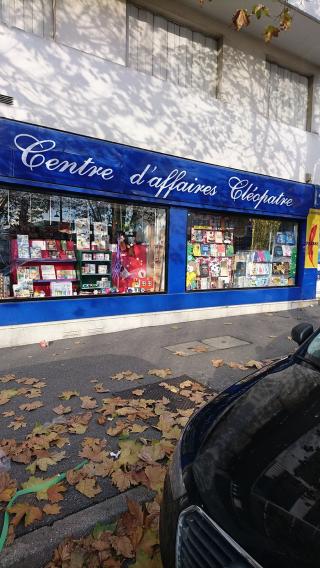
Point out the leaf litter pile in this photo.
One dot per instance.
(126, 438)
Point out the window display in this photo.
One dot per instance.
(240, 252)
(57, 246)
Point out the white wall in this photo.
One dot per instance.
(311, 7)
(87, 89)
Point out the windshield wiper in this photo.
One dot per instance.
(308, 361)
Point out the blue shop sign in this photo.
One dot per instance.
(31, 153)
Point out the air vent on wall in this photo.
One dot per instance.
(5, 99)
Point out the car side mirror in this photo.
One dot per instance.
(301, 332)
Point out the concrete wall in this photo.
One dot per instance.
(78, 82)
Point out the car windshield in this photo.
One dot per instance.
(313, 351)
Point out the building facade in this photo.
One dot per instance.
(155, 166)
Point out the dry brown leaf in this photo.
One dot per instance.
(234, 365)
(122, 545)
(200, 349)
(138, 392)
(127, 375)
(88, 487)
(7, 486)
(162, 373)
(180, 353)
(254, 364)
(155, 475)
(138, 428)
(17, 424)
(54, 492)
(42, 462)
(7, 378)
(8, 413)
(217, 363)
(88, 402)
(26, 511)
(31, 405)
(66, 395)
(33, 393)
(121, 479)
(186, 384)
(171, 388)
(51, 509)
(99, 387)
(117, 428)
(60, 409)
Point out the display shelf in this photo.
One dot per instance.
(96, 274)
(48, 260)
(56, 280)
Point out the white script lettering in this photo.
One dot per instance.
(245, 191)
(33, 156)
(173, 182)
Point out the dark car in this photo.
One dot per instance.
(243, 489)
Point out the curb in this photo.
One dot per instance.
(35, 549)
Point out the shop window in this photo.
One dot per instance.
(171, 52)
(288, 96)
(53, 246)
(240, 252)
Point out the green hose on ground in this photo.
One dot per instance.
(35, 489)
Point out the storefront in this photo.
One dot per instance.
(93, 229)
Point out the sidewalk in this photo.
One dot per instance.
(82, 364)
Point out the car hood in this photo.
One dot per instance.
(258, 471)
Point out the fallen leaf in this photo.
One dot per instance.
(7, 486)
(66, 395)
(127, 375)
(101, 420)
(234, 365)
(217, 363)
(162, 373)
(99, 387)
(138, 428)
(31, 405)
(43, 462)
(169, 387)
(138, 392)
(60, 409)
(88, 402)
(180, 354)
(200, 349)
(121, 479)
(33, 393)
(88, 487)
(117, 428)
(8, 378)
(185, 384)
(54, 492)
(122, 545)
(155, 475)
(21, 510)
(17, 424)
(51, 509)
(253, 363)
(8, 413)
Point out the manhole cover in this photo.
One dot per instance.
(190, 348)
(224, 342)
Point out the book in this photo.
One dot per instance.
(48, 272)
(51, 245)
(218, 237)
(35, 252)
(23, 289)
(39, 244)
(23, 246)
(102, 269)
(61, 288)
(82, 227)
(65, 274)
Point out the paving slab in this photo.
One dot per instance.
(224, 342)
